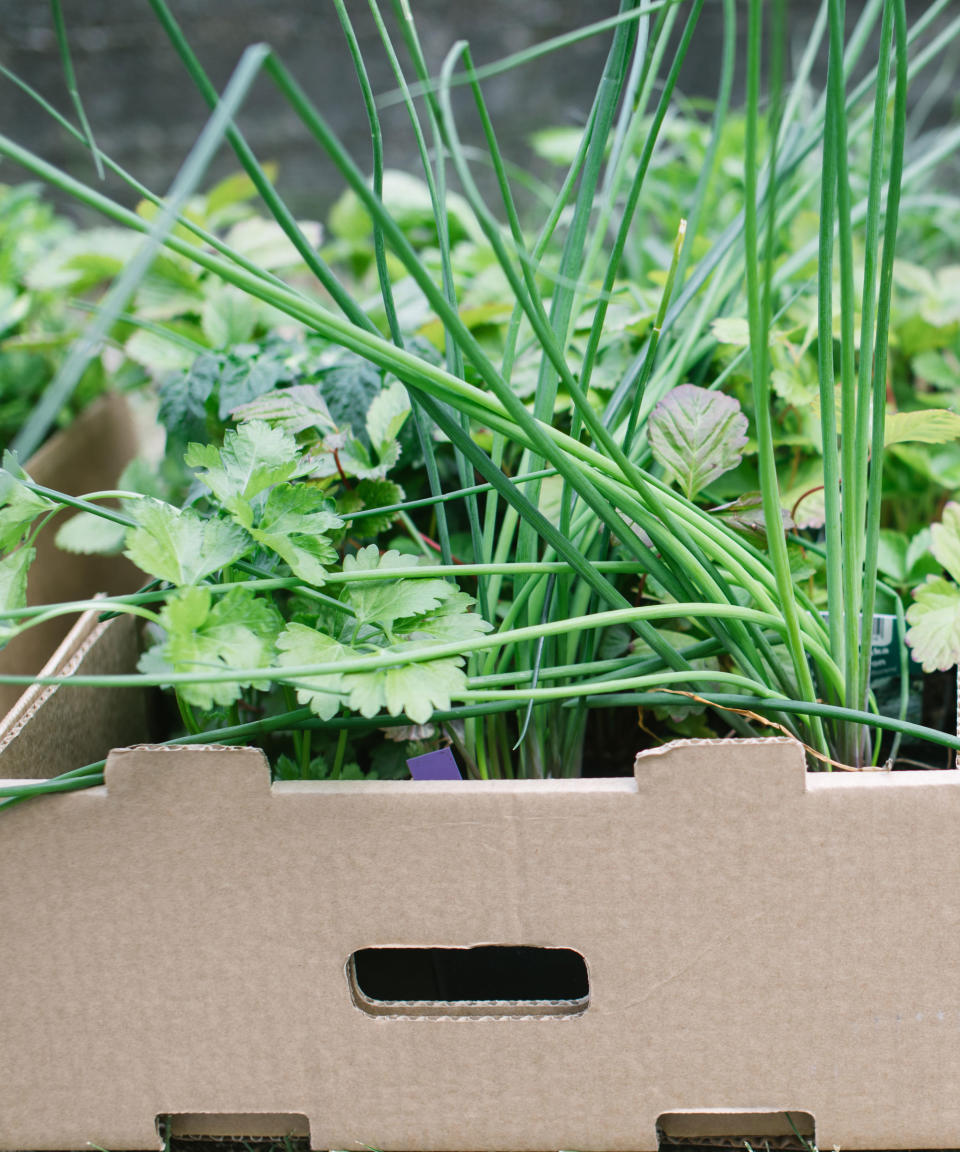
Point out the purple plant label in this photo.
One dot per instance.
(438, 765)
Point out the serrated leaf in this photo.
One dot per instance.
(294, 524)
(383, 603)
(370, 558)
(349, 387)
(697, 435)
(253, 458)
(945, 539)
(932, 426)
(299, 645)
(19, 507)
(450, 620)
(184, 396)
(386, 416)
(292, 409)
(247, 373)
(236, 630)
(90, 535)
(414, 689)
(934, 619)
(13, 586)
(370, 494)
(181, 547)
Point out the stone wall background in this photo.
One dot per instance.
(146, 114)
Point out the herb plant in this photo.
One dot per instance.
(575, 528)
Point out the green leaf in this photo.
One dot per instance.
(228, 316)
(89, 535)
(919, 562)
(292, 409)
(731, 330)
(945, 539)
(414, 689)
(13, 586)
(892, 555)
(294, 524)
(253, 458)
(934, 619)
(450, 620)
(697, 435)
(383, 602)
(299, 645)
(933, 426)
(181, 547)
(386, 416)
(236, 630)
(265, 243)
(235, 190)
(370, 494)
(19, 507)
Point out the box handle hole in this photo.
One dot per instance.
(716, 1127)
(486, 980)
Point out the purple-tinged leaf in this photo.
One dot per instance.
(697, 435)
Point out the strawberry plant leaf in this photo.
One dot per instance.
(934, 619)
(19, 507)
(945, 540)
(932, 426)
(697, 435)
(253, 458)
(237, 630)
(181, 547)
(294, 524)
(293, 409)
(297, 644)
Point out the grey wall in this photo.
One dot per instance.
(145, 112)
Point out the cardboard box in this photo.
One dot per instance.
(86, 457)
(188, 941)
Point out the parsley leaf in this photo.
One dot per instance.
(13, 587)
(181, 547)
(294, 523)
(236, 630)
(414, 689)
(298, 645)
(253, 458)
(19, 507)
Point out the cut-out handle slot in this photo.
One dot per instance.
(234, 1127)
(488, 980)
(722, 1129)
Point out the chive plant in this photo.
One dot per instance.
(621, 546)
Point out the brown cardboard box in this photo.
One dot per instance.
(86, 457)
(759, 941)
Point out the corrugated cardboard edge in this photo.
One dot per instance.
(54, 728)
(88, 456)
